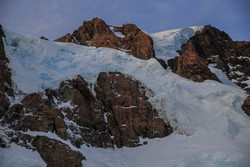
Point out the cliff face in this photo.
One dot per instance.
(5, 78)
(190, 65)
(128, 38)
(214, 47)
(211, 46)
(129, 114)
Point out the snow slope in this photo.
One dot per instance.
(21, 157)
(210, 127)
(166, 43)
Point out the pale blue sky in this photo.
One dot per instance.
(54, 18)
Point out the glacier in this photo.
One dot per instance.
(210, 128)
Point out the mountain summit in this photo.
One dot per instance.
(127, 38)
(116, 96)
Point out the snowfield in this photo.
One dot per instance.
(210, 128)
(166, 43)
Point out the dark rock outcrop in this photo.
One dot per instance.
(44, 38)
(163, 63)
(83, 111)
(115, 111)
(218, 49)
(125, 115)
(56, 153)
(246, 106)
(35, 114)
(5, 78)
(129, 114)
(97, 33)
(190, 65)
(215, 47)
(137, 42)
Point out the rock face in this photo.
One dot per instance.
(5, 78)
(84, 115)
(129, 114)
(56, 153)
(128, 38)
(190, 65)
(35, 114)
(246, 106)
(218, 49)
(118, 115)
(214, 47)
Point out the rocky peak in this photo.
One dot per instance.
(214, 33)
(130, 30)
(213, 47)
(191, 66)
(94, 33)
(232, 57)
(219, 50)
(97, 33)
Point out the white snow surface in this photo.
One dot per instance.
(211, 130)
(117, 33)
(166, 43)
(17, 156)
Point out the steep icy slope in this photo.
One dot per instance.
(166, 43)
(210, 127)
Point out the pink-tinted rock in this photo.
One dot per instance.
(190, 65)
(56, 153)
(129, 114)
(217, 48)
(97, 33)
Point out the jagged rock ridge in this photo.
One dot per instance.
(211, 46)
(216, 48)
(128, 38)
(190, 65)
